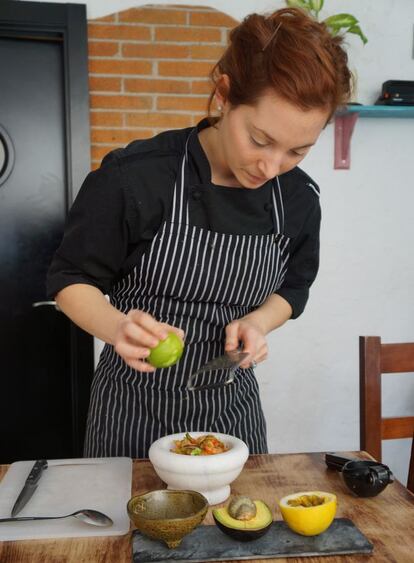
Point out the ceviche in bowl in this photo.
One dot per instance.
(206, 444)
(206, 462)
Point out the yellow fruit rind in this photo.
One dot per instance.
(309, 520)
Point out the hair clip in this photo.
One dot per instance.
(271, 37)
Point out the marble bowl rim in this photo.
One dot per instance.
(235, 456)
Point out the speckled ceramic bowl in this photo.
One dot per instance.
(210, 475)
(167, 515)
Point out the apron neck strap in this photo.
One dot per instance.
(180, 213)
(278, 212)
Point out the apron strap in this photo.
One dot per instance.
(180, 213)
(180, 210)
(278, 210)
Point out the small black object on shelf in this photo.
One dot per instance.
(396, 93)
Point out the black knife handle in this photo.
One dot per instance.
(36, 471)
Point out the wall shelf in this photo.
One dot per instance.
(345, 122)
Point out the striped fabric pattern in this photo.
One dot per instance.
(200, 281)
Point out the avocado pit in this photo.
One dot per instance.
(244, 519)
(242, 508)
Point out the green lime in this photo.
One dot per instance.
(167, 352)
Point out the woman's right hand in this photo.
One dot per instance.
(136, 334)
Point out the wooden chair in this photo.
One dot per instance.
(375, 359)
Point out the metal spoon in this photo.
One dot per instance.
(86, 515)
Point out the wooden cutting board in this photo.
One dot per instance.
(102, 484)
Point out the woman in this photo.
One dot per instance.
(211, 232)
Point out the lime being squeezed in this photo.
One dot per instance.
(167, 352)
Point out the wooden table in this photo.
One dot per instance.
(386, 520)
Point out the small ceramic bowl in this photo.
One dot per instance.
(210, 475)
(167, 515)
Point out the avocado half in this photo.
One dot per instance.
(244, 530)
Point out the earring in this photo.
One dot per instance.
(219, 108)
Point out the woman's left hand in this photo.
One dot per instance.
(251, 336)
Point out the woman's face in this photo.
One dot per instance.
(262, 141)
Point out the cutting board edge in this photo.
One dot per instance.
(121, 520)
(66, 536)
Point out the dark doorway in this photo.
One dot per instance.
(46, 362)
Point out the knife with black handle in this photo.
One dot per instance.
(30, 486)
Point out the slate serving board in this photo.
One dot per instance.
(208, 543)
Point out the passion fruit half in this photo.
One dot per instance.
(309, 513)
(244, 528)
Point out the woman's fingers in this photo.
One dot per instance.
(252, 339)
(137, 334)
(133, 355)
(139, 365)
(145, 324)
(260, 355)
(178, 331)
(127, 350)
(232, 336)
(148, 324)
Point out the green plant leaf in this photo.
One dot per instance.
(357, 31)
(347, 23)
(341, 20)
(304, 4)
(316, 5)
(334, 30)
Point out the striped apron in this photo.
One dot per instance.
(200, 281)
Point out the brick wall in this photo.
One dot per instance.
(148, 70)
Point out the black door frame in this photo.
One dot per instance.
(66, 23)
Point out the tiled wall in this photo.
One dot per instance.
(148, 70)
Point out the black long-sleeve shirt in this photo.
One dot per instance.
(121, 206)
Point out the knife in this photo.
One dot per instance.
(229, 360)
(30, 486)
(34, 476)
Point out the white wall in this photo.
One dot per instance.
(366, 281)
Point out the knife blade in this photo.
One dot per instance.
(229, 360)
(30, 486)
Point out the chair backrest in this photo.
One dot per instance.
(410, 480)
(375, 359)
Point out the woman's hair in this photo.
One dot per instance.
(289, 53)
